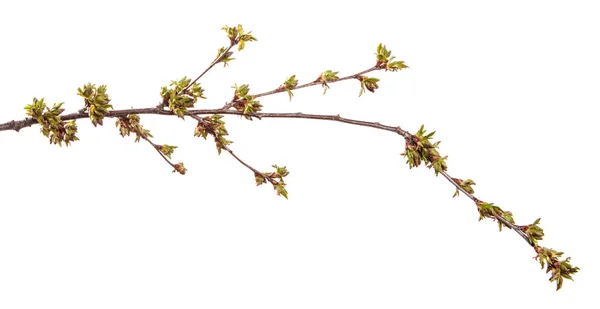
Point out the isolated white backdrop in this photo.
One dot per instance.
(510, 88)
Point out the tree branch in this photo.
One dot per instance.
(27, 122)
(419, 148)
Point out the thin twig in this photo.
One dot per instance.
(156, 147)
(510, 225)
(317, 82)
(217, 60)
(313, 83)
(145, 137)
(19, 124)
(223, 146)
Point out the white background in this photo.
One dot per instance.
(511, 89)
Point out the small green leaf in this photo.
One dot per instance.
(327, 76)
(280, 189)
(289, 84)
(96, 102)
(167, 150)
(179, 168)
(224, 56)
(368, 83)
(260, 179)
(238, 36)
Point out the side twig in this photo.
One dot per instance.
(223, 145)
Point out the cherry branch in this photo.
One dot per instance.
(183, 94)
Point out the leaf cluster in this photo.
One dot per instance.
(51, 124)
(489, 210)
(534, 231)
(370, 83)
(97, 102)
(179, 168)
(181, 95)
(466, 185)
(244, 102)
(131, 123)
(276, 178)
(224, 55)
(325, 77)
(215, 126)
(237, 36)
(165, 149)
(289, 84)
(420, 149)
(385, 60)
(559, 270)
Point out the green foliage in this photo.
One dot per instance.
(36, 109)
(224, 56)
(280, 173)
(181, 95)
(288, 85)
(96, 101)
(259, 178)
(276, 178)
(131, 123)
(241, 92)
(244, 102)
(165, 149)
(559, 269)
(488, 210)
(420, 149)
(385, 60)
(327, 76)
(370, 83)
(215, 126)
(465, 185)
(50, 122)
(534, 231)
(237, 36)
(179, 168)
(280, 189)
(508, 216)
